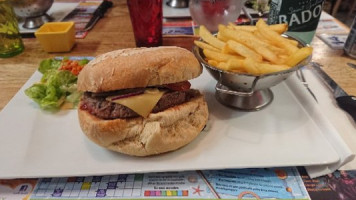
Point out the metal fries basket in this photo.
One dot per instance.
(245, 91)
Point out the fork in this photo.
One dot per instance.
(301, 77)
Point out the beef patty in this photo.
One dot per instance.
(97, 104)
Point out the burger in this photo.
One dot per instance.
(139, 101)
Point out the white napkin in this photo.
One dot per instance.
(346, 155)
(337, 128)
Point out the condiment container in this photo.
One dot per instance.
(56, 36)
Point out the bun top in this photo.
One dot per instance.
(138, 67)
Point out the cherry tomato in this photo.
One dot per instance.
(72, 66)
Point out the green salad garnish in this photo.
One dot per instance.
(58, 84)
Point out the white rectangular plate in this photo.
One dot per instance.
(35, 143)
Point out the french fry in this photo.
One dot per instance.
(213, 63)
(204, 45)
(244, 36)
(277, 50)
(250, 66)
(227, 50)
(209, 38)
(220, 57)
(270, 45)
(265, 68)
(257, 68)
(251, 41)
(298, 56)
(243, 50)
(279, 28)
(283, 58)
(222, 65)
(262, 38)
(275, 37)
(235, 65)
(222, 38)
(293, 42)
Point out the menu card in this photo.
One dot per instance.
(81, 15)
(265, 183)
(271, 183)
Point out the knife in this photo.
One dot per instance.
(352, 65)
(345, 101)
(99, 13)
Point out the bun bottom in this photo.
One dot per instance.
(158, 133)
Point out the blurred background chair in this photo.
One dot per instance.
(335, 4)
(352, 9)
(343, 10)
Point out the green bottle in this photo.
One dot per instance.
(302, 16)
(10, 38)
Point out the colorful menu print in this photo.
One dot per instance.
(124, 186)
(176, 185)
(16, 189)
(265, 183)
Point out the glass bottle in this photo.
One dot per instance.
(10, 38)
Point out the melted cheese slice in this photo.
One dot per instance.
(142, 104)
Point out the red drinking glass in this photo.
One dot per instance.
(146, 19)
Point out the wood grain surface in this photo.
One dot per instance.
(114, 31)
(334, 63)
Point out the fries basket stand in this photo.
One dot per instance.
(245, 91)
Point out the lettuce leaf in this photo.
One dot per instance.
(83, 62)
(37, 92)
(55, 87)
(61, 78)
(49, 64)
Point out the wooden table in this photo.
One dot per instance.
(114, 31)
(335, 63)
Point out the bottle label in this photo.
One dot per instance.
(301, 15)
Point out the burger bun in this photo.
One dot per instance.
(158, 133)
